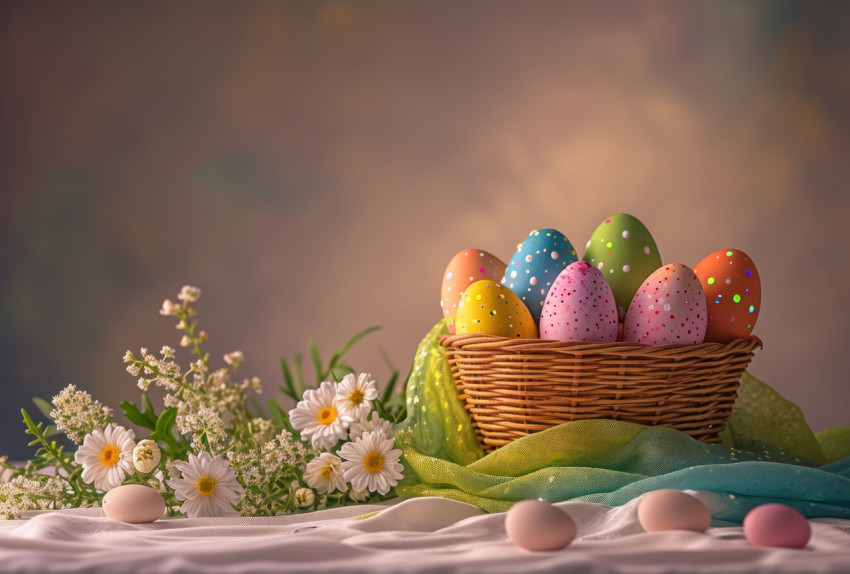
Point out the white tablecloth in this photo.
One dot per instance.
(419, 535)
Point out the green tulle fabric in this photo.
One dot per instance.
(769, 454)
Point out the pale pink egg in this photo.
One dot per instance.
(133, 503)
(668, 309)
(580, 306)
(538, 526)
(672, 510)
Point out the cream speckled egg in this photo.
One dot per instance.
(133, 503)
(539, 526)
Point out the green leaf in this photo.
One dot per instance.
(279, 417)
(162, 428)
(300, 385)
(135, 416)
(388, 390)
(147, 407)
(317, 360)
(354, 340)
(290, 390)
(43, 406)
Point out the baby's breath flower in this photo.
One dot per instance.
(206, 427)
(146, 456)
(169, 308)
(22, 493)
(189, 294)
(235, 358)
(77, 414)
(185, 341)
(305, 497)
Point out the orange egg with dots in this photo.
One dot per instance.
(464, 269)
(732, 292)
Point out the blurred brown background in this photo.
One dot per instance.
(313, 166)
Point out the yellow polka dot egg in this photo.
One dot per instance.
(490, 308)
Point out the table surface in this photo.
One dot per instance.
(417, 535)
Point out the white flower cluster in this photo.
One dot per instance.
(273, 462)
(211, 408)
(76, 414)
(343, 411)
(208, 453)
(23, 493)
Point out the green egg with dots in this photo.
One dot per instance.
(625, 252)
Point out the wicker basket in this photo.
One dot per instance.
(514, 387)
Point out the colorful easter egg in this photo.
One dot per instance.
(492, 309)
(579, 306)
(534, 266)
(733, 293)
(669, 308)
(625, 252)
(465, 268)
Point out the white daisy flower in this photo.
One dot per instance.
(207, 486)
(364, 425)
(371, 463)
(146, 456)
(324, 473)
(106, 456)
(356, 394)
(320, 416)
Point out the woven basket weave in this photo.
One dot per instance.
(514, 387)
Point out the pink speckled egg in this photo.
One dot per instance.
(580, 306)
(777, 526)
(464, 269)
(539, 526)
(668, 309)
(672, 510)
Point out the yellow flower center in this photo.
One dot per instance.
(356, 397)
(373, 462)
(206, 485)
(326, 416)
(110, 455)
(326, 473)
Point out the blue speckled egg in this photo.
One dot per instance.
(535, 266)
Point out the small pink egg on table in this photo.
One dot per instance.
(775, 525)
(536, 525)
